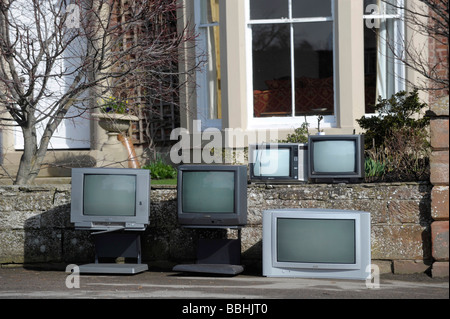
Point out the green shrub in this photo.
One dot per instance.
(397, 139)
(393, 114)
(161, 170)
(300, 135)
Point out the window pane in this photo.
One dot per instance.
(382, 71)
(268, 9)
(212, 69)
(313, 54)
(308, 8)
(369, 7)
(209, 82)
(271, 70)
(392, 6)
(313, 60)
(382, 7)
(370, 68)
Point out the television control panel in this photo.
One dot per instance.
(109, 226)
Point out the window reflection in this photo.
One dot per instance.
(292, 60)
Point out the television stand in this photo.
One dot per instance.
(216, 256)
(112, 245)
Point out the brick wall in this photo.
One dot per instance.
(438, 54)
(439, 179)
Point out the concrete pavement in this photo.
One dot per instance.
(41, 284)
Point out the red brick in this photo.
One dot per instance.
(439, 203)
(440, 269)
(439, 168)
(439, 240)
(410, 266)
(439, 134)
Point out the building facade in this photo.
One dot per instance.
(275, 66)
(269, 66)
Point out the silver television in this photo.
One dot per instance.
(109, 199)
(316, 243)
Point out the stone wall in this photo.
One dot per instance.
(35, 224)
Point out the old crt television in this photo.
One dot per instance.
(316, 243)
(278, 162)
(212, 195)
(336, 158)
(110, 198)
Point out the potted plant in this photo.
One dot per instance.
(114, 116)
(115, 119)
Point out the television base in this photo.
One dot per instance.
(220, 269)
(216, 256)
(112, 268)
(113, 244)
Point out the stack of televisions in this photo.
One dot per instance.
(296, 242)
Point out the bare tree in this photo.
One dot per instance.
(45, 43)
(429, 18)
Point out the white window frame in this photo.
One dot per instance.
(292, 121)
(398, 41)
(202, 91)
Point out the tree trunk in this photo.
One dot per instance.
(29, 163)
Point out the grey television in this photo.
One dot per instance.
(212, 195)
(316, 243)
(108, 199)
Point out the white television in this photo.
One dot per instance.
(316, 243)
(278, 162)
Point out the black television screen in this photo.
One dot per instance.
(212, 195)
(336, 158)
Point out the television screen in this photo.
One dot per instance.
(212, 195)
(109, 198)
(278, 162)
(272, 162)
(342, 153)
(316, 243)
(113, 195)
(316, 240)
(208, 192)
(336, 158)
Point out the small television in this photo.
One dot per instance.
(108, 199)
(336, 158)
(316, 243)
(278, 162)
(212, 195)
